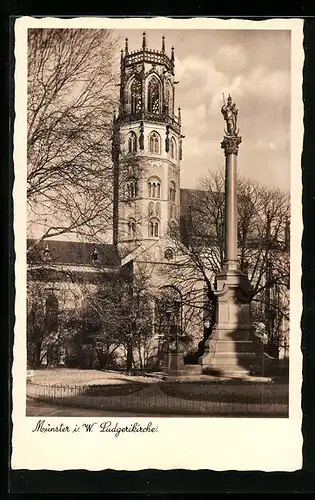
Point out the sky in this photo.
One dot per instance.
(254, 67)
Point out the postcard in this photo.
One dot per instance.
(157, 222)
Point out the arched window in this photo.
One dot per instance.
(154, 143)
(154, 95)
(172, 191)
(132, 142)
(135, 96)
(173, 149)
(132, 228)
(154, 188)
(169, 254)
(154, 228)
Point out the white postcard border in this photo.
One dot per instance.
(186, 443)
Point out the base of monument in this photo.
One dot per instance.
(229, 357)
(234, 375)
(239, 365)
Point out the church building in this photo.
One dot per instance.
(147, 203)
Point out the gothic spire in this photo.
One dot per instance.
(172, 55)
(144, 43)
(121, 57)
(126, 46)
(179, 115)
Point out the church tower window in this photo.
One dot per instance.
(132, 142)
(154, 228)
(154, 188)
(154, 143)
(154, 96)
(136, 96)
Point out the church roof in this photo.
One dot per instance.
(188, 198)
(71, 253)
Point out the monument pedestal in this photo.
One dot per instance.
(230, 350)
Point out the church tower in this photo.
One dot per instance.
(147, 147)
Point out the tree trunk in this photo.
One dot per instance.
(140, 357)
(102, 359)
(38, 348)
(129, 356)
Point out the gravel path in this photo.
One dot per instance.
(67, 376)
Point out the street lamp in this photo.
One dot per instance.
(168, 313)
(159, 337)
(206, 325)
(178, 326)
(172, 319)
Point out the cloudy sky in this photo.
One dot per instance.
(254, 67)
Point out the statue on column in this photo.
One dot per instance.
(230, 112)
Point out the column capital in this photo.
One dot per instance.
(230, 144)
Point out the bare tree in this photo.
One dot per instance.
(138, 340)
(71, 97)
(263, 244)
(115, 316)
(47, 316)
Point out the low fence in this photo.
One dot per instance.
(170, 398)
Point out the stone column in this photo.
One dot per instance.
(230, 350)
(230, 145)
